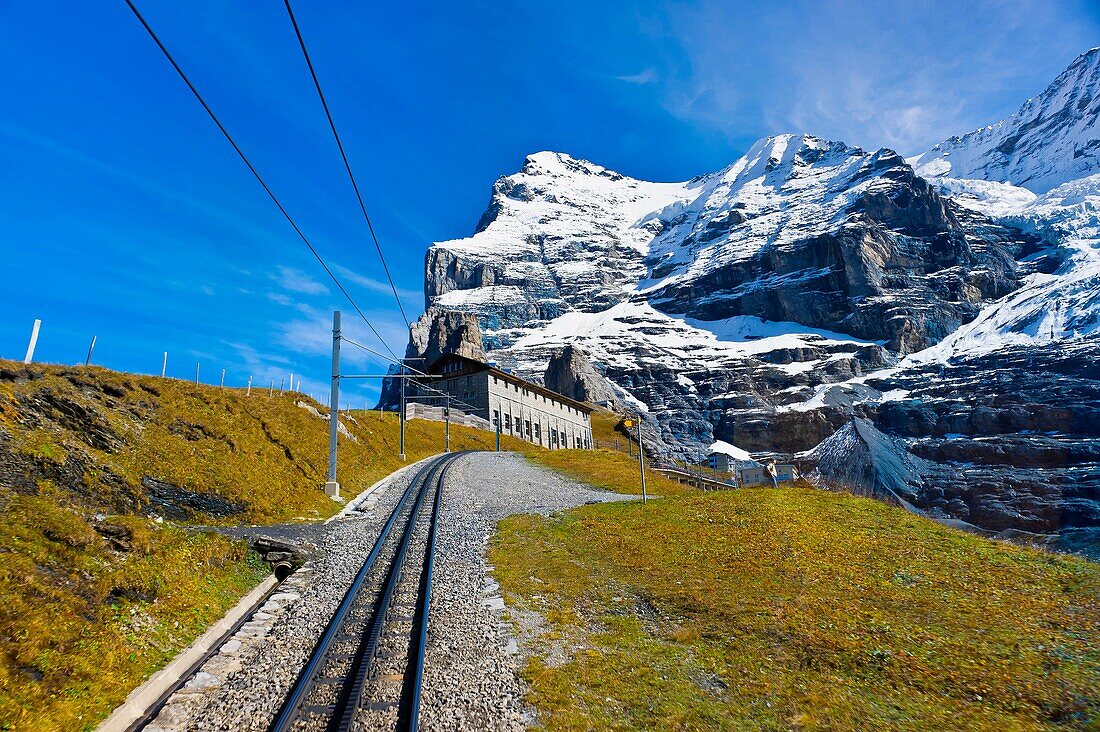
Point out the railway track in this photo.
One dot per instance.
(366, 670)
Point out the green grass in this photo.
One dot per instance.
(764, 609)
(81, 625)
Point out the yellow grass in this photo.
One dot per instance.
(764, 609)
(81, 623)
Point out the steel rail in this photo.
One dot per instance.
(408, 717)
(292, 709)
(353, 699)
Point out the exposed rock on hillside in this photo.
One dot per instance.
(440, 332)
(569, 372)
(437, 332)
(864, 461)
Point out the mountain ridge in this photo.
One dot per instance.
(1051, 139)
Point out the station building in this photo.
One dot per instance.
(520, 408)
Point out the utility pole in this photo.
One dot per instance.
(88, 361)
(332, 488)
(34, 341)
(498, 435)
(402, 380)
(164, 365)
(447, 421)
(641, 461)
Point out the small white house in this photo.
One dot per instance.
(727, 458)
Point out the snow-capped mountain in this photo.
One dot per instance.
(768, 304)
(721, 303)
(1052, 139)
(885, 254)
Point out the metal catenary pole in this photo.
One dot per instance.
(641, 457)
(88, 361)
(402, 380)
(447, 421)
(333, 487)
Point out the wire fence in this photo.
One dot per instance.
(203, 375)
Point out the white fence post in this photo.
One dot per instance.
(34, 341)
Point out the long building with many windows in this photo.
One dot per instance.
(513, 405)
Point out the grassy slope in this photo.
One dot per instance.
(798, 609)
(605, 468)
(81, 623)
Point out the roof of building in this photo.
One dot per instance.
(513, 379)
(725, 448)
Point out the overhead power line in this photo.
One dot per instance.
(347, 165)
(376, 353)
(256, 174)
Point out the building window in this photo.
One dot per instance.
(538, 433)
(527, 428)
(496, 417)
(507, 423)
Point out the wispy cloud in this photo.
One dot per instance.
(873, 74)
(311, 335)
(295, 280)
(409, 298)
(642, 77)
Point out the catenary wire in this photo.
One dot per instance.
(418, 373)
(343, 154)
(255, 173)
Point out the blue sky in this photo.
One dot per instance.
(125, 215)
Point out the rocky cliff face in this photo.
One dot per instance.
(800, 230)
(435, 333)
(717, 300)
(827, 235)
(809, 283)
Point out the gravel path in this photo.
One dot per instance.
(470, 681)
(470, 673)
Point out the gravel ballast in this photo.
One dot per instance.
(470, 680)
